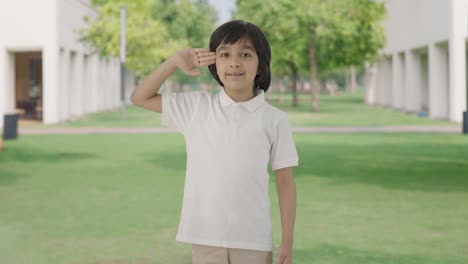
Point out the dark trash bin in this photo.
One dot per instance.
(10, 126)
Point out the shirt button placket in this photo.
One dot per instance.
(237, 114)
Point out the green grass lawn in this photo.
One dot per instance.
(362, 198)
(343, 110)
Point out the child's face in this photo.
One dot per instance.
(237, 65)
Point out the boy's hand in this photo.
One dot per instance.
(285, 253)
(189, 59)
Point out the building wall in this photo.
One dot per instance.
(427, 40)
(414, 24)
(76, 80)
(17, 35)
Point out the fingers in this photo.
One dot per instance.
(203, 57)
(207, 58)
(282, 259)
(201, 50)
(205, 61)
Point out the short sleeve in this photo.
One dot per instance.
(283, 151)
(178, 109)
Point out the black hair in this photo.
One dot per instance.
(229, 33)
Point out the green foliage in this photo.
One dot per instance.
(352, 36)
(155, 30)
(282, 31)
(190, 21)
(344, 32)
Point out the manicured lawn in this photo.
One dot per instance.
(362, 198)
(343, 110)
(347, 110)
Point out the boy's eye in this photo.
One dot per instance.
(223, 55)
(246, 55)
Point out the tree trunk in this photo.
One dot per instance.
(282, 90)
(275, 86)
(348, 81)
(293, 83)
(353, 80)
(314, 87)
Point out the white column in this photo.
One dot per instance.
(94, 82)
(111, 90)
(78, 84)
(104, 82)
(370, 82)
(438, 82)
(3, 82)
(424, 81)
(413, 87)
(86, 91)
(113, 87)
(116, 81)
(72, 88)
(102, 99)
(64, 72)
(457, 60)
(388, 82)
(51, 83)
(102, 86)
(380, 82)
(7, 83)
(398, 81)
(50, 65)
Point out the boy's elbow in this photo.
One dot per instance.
(133, 99)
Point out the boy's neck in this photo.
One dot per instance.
(240, 95)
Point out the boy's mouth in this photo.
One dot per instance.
(235, 74)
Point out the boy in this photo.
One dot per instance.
(230, 139)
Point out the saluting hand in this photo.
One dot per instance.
(189, 59)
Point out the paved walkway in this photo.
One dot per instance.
(115, 130)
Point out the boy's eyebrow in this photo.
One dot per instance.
(243, 47)
(248, 47)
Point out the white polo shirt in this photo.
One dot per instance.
(229, 145)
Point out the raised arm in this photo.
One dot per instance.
(146, 95)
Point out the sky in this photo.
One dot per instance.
(224, 8)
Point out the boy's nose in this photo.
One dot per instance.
(234, 63)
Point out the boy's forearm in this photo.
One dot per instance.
(287, 200)
(150, 85)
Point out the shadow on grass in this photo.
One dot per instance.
(328, 104)
(333, 254)
(387, 161)
(18, 154)
(174, 160)
(405, 166)
(9, 176)
(15, 156)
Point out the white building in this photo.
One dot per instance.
(46, 74)
(423, 67)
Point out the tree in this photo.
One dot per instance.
(155, 30)
(280, 28)
(342, 33)
(189, 21)
(330, 34)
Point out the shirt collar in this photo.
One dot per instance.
(251, 105)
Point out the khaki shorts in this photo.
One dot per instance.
(202, 254)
